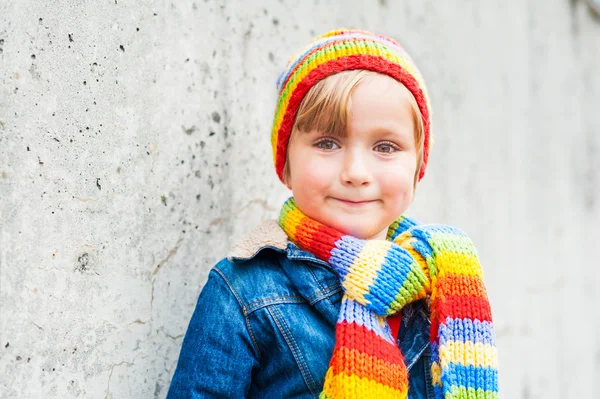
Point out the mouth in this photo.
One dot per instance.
(353, 203)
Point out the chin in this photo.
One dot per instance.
(358, 231)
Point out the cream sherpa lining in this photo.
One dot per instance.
(268, 233)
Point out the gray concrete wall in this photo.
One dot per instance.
(134, 150)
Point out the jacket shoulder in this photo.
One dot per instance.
(253, 271)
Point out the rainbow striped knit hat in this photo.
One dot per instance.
(333, 52)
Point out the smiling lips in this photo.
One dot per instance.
(353, 203)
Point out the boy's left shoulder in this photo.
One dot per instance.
(253, 267)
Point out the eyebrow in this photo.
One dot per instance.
(384, 131)
(322, 133)
(377, 131)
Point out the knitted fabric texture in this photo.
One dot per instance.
(379, 277)
(337, 51)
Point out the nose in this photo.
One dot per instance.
(355, 171)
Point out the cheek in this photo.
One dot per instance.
(310, 186)
(397, 193)
(311, 174)
(395, 182)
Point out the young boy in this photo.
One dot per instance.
(343, 296)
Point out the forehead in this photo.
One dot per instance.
(380, 103)
(380, 91)
(354, 99)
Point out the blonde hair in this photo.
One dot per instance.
(325, 108)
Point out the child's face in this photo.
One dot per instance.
(361, 183)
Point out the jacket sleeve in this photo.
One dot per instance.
(218, 353)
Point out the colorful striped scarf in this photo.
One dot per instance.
(379, 277)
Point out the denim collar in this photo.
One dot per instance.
(266, 235)
(269, 235)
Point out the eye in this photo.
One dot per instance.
(326, 145)
(386, 148)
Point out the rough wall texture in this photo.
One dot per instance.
(134, 150)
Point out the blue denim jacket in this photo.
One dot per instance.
(264, 326)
